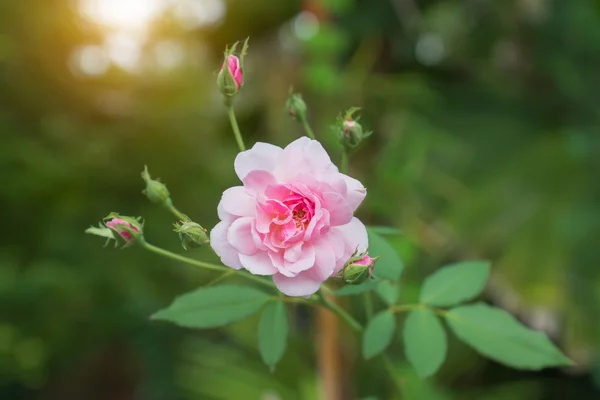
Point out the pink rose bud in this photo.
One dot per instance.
(231, 76)
(358, 268)
(233, 63)
(123, 228)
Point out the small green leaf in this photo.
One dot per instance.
(349, 290)
(424, 341)
(389, 292)
(455, 283)
(273, 330)
(213, 306)
(378, 334)
(389, 266)
(498, 335)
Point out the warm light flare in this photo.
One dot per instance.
(130, 15)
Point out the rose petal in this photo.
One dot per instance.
(356, 191)
(301, 285)
(262, 156)
(258, 264)
(239, 236)
(354, 235)
(340, 212)
(219, 243)
(257, 181)
(303, 261)
(325, 262)
(237, 201)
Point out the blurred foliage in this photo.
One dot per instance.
(486, 146)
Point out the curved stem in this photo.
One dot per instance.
(307, 129)
(205, 265)
(178, 214)
(337, 310)
(236, 128)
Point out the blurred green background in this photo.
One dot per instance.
(485, 114)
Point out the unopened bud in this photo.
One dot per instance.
(350, 132)
(128, 230)
(358, 268)
(231, 76)
(155, 191)
(191, 234)
(296, 107)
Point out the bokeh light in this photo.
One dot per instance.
(131, 15)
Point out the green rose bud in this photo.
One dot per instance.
(191, 234)
(358, 268)
(155, 191)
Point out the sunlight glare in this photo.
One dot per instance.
(132, 15)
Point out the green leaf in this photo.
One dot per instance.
(455, 283)
(424, 341)
(273, 330)
(213, 306)
(389, 292)
(498, 335)
(349, 290)
(378, 334)
(389, 266)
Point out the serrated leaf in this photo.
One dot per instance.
(498, 335)
(350, 290)
(389, 292)
(424, 341)
(213, 306)
(378, 334)
(455, 283)
(273, 330)
(389, 266)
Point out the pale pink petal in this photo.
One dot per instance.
(340, 212)
(258, 264)
(325, 262)
(305, 260)
(301, 285)
(258, 180)
(262, 156)
(219, 243)
(354, 235)
(300, 157)
(356, 191)
(237, 201)
(239, 236)
(277, 259)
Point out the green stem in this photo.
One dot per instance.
(205, 265)
(307, 128)
(337, 310)
(404, 307)
(220, 278)
(389, 368)
(345, 162)
(236, 128)
(178, 214)
(368, 304)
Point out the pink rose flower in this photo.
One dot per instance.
(292, 218)
(115, 223)
(233, 64)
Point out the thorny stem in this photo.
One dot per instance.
(236, 128)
